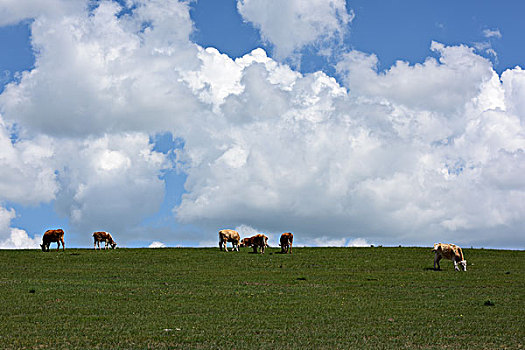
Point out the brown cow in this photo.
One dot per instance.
(103, 237)
(226, 236)
(259, 241)
(286, 242)
(51, 236)
(450, 252)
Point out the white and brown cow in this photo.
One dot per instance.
(257, 242)
(226, 236)
(51, 236)
(105, 237)
(285, 242)
(450, 252)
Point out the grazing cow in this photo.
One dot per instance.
(51, 236)
(103, 237)
(226, 236)
(450, 252)
(259, 241)
(286, 242)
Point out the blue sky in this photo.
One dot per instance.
(204, 122)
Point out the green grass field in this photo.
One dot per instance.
(317, 298)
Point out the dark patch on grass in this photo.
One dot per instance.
(431, 269)
(489, 303)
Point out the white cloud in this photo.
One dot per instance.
(91, 66)
(157, 244)
(404, 156)
(443, 85)
(289, 26)
(112, 183)
(14, 11)
(492, 33)
(26, 168)
(416, 154)
(14, 238)
(358, 242)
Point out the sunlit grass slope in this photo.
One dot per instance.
(317, 298)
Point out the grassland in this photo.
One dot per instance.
(317, 298)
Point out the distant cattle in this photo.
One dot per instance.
(226, 236)
(103, 237)
(285, 242)
(51, 236)
(257, 242)
(450, 252)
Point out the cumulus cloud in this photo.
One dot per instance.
(411, 155)
(289, 26)
(402, 155)
(91, 65)
(27, 172)
(157, 244)
(14, 238)
(112, 183)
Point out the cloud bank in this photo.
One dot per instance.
(410, 155)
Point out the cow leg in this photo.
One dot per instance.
(437, 257)
(456, 267)
(58, 246)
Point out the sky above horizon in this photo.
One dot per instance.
(347, 123)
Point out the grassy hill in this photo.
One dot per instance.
(317, 298)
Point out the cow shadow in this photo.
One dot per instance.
(431, 269)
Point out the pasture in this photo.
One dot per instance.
(317, 298)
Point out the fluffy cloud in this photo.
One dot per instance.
(443, 85)
(411, 155)
(91, 65)
(26, 168)
(291, 25)
(14, 238)
(157, 244)
(111, 184)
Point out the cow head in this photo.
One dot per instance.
(463, 265)
(44, 247)
(113, 245)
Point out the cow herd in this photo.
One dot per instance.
(257, 242)
(57, 236)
